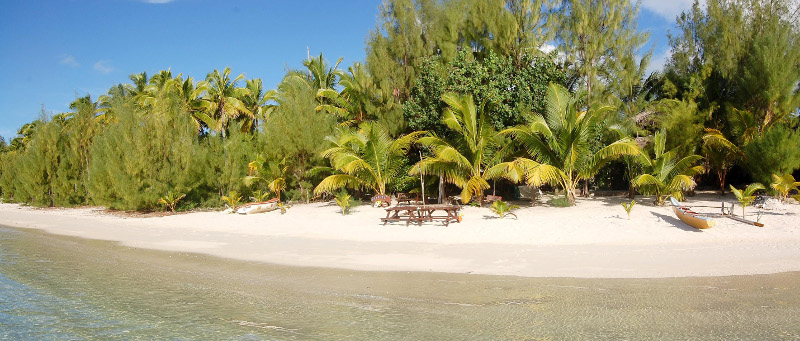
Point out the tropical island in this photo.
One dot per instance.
(538, 120)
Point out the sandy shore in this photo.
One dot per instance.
(592, 239)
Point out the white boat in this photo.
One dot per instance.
(258, 207)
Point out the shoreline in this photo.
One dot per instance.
(593, 239)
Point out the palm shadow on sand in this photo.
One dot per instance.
(676, 222)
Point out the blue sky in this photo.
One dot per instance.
(54, 50)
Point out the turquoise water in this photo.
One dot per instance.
(63, 288)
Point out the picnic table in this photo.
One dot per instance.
(407, 198)
(419, 214)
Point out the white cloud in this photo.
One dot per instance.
(103, 67)
(669, 9)
(158, 1)
(69, 61)
(658, 61)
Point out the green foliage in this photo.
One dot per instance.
(628, 207)
(233, 199)
(734, 59)
(272, 173)
(170, 200)
(746, 196)
(144, 154)
(259, 196)
(783, 185)
(683, 123)
(461, 159)
(225, 161)
(560, 202)
(666, 173)
(409, 31)
(775, 151)
(558, 145)
(510, 92)
(297, 132)
(366, 158)
(345, 201)
(594, 34)
(502, 208)
(223, 99)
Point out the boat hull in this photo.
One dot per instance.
(694, 221)
(258, 207)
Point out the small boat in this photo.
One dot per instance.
(690, 217)
(258, 207)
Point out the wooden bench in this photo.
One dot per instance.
(407, 198)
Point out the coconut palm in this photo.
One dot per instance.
(746, 196)
(721, 154)
(367, 158)
(139, 84)
(257, 101)
(192, 100)
(272, 172)
(558, 145)
(462, 159)
(357, 100)
(320, 76)
(224, 100)
(784, 184)
(666, 173)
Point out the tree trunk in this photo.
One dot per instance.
(722, 174)
(441, 189)
(585, 189)
(631, 192)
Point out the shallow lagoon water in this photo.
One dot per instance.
(64, 288)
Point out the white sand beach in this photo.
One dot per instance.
(593, 239)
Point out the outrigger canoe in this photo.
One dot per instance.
(691, 218)
(258, 207)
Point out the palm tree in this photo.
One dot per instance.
(257, 101)
(721, 154)
(462, 159)
(117, 94)
(158, 87)
(746, 196)
(558, 145)
(357, 100)
(139, 84)
(224, 100)
(667, 174)
(784, 184)
(273, 172)
(192, 100)
(367, 158)
(320, 76)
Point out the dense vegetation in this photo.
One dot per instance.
(459, 92)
